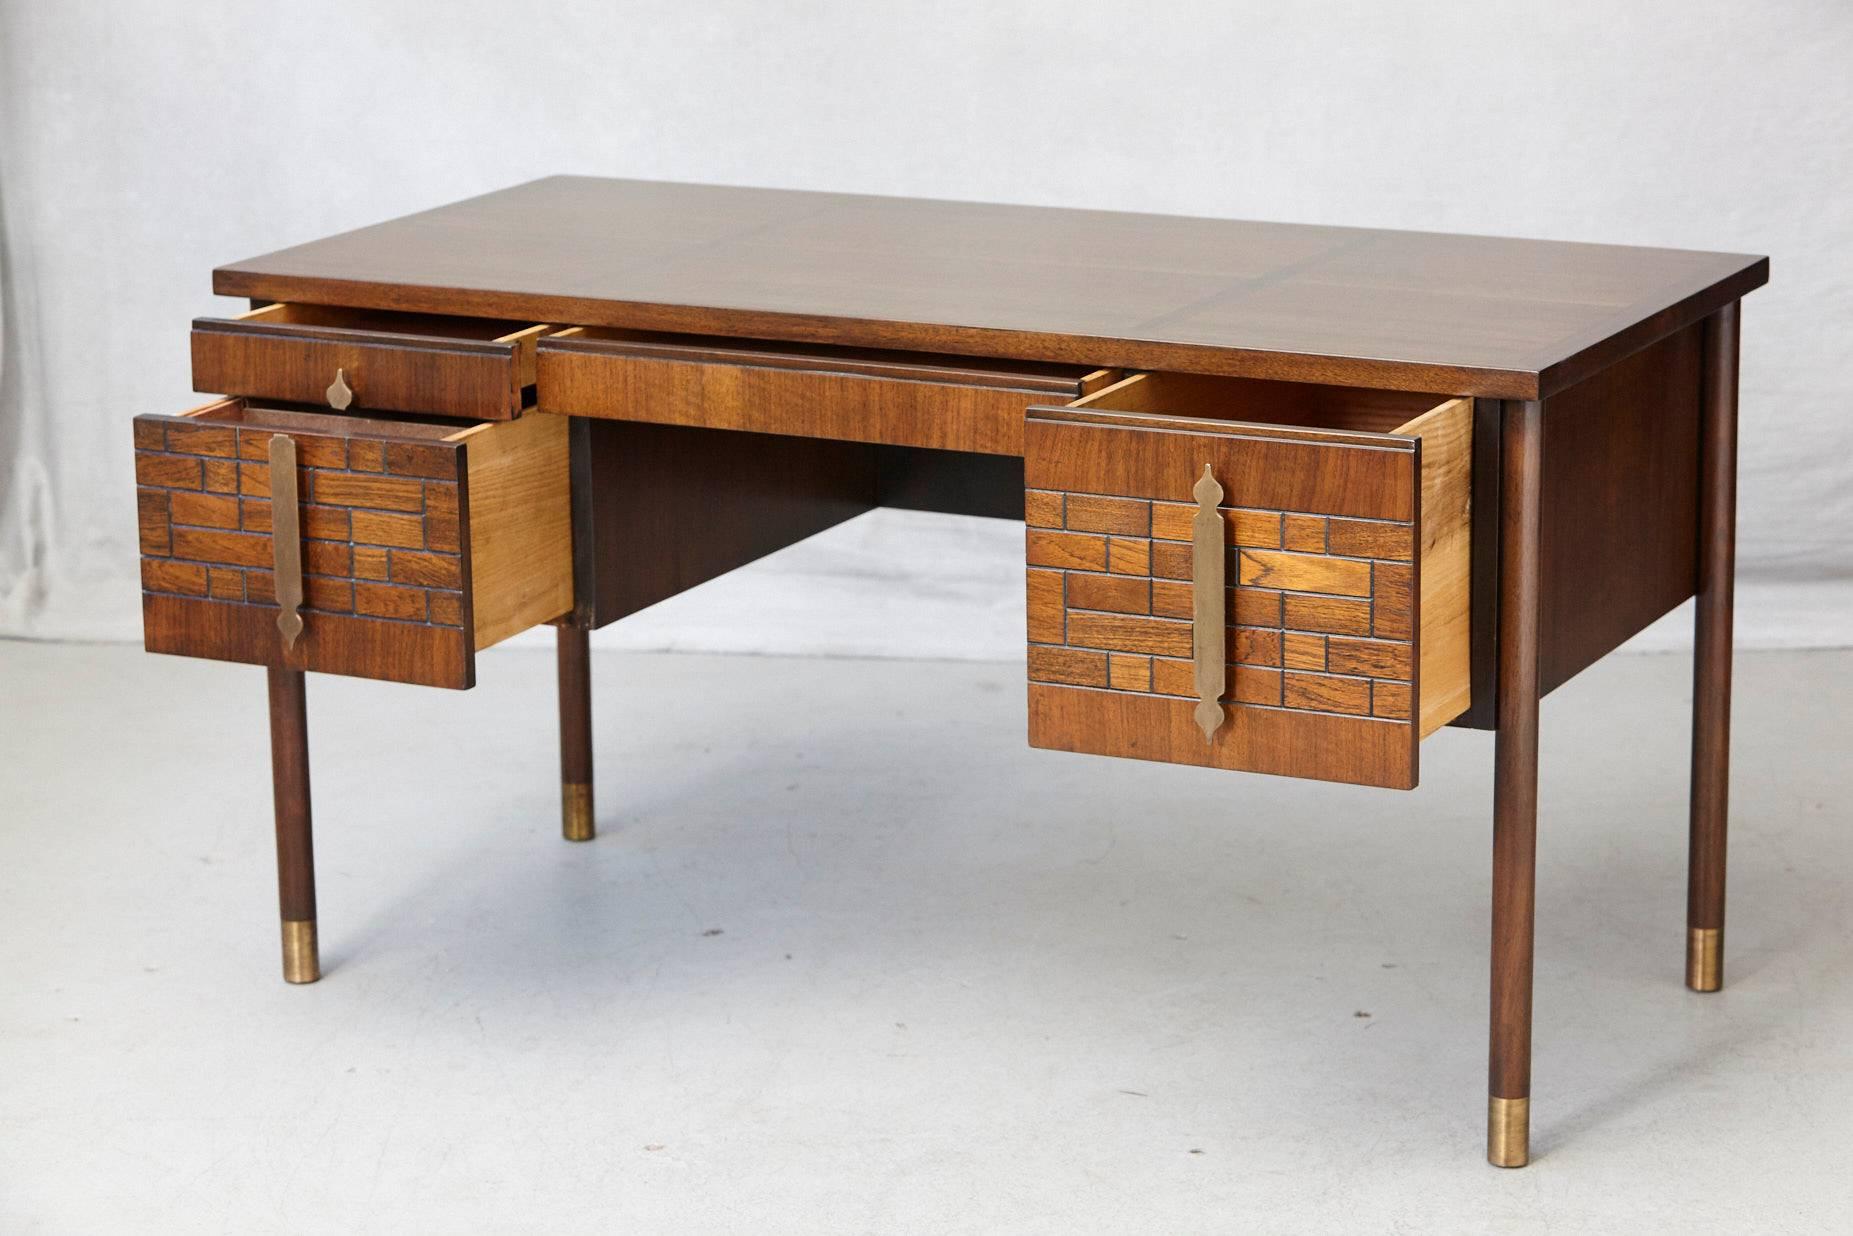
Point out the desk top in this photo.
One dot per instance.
(1423, 311)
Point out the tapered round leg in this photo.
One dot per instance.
(1515, 787)
(289, 773)
(575, 658)
(1711, 658)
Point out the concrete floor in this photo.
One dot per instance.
(848, 957)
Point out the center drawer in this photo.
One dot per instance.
(813, 391)
(401, 546)
(1253, 575)
(367, 358)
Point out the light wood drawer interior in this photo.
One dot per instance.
(420, 541)
(1347, 542)
(850, 394)
(369, 359)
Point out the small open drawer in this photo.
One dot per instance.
(1253, 575)
(850, 394)
(390, 362)
(401, 546)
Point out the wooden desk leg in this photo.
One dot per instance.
(289, 774)
(575, 655)
(1515, 786)
(1711, 660)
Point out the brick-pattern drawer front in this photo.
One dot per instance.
(384, 551)
(1321, 609)
(1311, 627)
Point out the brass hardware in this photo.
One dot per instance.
(1209, 607)
(340, 394)
(285, 537)
(302, 959)
(1705, 958)
(576, 811)
(1508, 1132)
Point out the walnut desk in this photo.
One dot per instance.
(1295, 497)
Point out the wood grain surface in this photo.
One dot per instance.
(447, 366)
(1621, 500)
(851, 395)
(665, 507)
(421, 542)
(1323, 677)
(1401, 310)
(1711, 662)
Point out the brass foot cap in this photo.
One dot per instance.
(1705, 958)
(576, 811)
(1508, 1132)
(302, 960)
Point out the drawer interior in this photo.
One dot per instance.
(389, 322)
(332, 424)
(1254, 401)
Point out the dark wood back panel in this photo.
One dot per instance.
(950, 482)
(665, 507)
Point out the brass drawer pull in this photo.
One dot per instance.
(340, 394)
(285, 537)
(1208, 604)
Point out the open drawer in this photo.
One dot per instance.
(806, 390)
(390, 362)
(388, 549)
(1252, 575)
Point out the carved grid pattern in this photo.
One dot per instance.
(1323, 606)
(380, 520)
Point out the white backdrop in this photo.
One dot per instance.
(143, 143)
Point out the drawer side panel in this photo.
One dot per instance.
(520, 525)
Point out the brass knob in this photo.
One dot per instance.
(340, 394)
